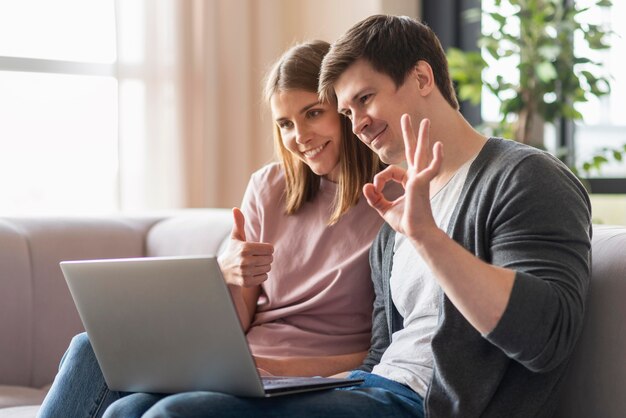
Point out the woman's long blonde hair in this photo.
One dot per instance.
(298, 69)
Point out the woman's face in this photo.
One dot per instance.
(310, 130)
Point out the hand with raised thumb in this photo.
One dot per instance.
(244, 263)
(239, 226)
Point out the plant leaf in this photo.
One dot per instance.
(546, 71)
(569, 112)
(599, 160)
(617, 155)
(473, 93)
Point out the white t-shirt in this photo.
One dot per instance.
(418, 297)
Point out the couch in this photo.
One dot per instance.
(37, 314)
(38, 318)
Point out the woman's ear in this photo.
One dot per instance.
(423, 74)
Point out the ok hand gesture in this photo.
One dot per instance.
(411, 213)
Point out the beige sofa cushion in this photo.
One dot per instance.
(29, 411)
(18, 396)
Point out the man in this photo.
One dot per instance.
(502, 230)
(481, 272)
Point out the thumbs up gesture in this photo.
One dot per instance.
(244, 263)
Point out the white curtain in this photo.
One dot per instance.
(191, 120)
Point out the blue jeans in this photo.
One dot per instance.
(376, 397)
(79, 389)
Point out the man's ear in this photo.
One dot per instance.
(423, 75)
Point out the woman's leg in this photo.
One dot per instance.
(79, 389)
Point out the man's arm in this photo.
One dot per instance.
(480, 291)
(530, 300)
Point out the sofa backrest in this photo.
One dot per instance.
(38, 318)
(37, 314)
(594, 385)
(196, 233)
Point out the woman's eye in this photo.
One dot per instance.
(285, 124)
(314, 113)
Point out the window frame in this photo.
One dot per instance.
(47, 66)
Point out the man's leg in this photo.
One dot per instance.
(132, 406)
(79, 389)
(377, 397)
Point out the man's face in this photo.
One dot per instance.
(374, 105)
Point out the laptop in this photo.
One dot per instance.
(168, 325)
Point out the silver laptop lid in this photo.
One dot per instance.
(164, 324)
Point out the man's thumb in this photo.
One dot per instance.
(238, 232)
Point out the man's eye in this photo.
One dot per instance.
(363, 99)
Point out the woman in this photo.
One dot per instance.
(297, 261)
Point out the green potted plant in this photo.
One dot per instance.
(549, 77)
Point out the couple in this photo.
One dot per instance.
(479, 273)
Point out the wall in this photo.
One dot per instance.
(250, 35)
(608, 209)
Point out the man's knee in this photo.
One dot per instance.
(202, 404)
(134, 405)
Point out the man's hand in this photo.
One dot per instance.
(411, 213)
(244, 263)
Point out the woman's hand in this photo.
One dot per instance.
(309, 366)
(263, 372)
(243, 263)
(411, 213)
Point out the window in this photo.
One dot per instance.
(603, 124)
(58, 106)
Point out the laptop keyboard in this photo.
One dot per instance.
(273, 380)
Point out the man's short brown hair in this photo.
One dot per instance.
(392, 45)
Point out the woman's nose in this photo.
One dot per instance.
(303, 135)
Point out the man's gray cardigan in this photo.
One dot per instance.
(521, 209)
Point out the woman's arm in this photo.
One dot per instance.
(245, 266)
(245, 300)
(310, 366)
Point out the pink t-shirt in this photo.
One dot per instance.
(318, 297)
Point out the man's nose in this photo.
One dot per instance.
(360, 122)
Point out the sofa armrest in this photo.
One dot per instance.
(38, 315)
